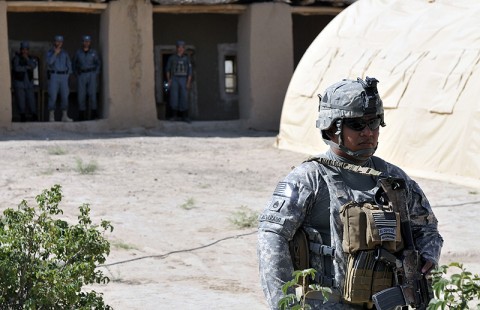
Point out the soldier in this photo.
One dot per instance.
(59, 68)
(22, 68)
(314, 197)
(86, 65)
(179, 76)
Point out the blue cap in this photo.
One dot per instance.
(24, 44)
(58, 38)
(87, 38)
(180, 43)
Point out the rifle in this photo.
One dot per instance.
(412, 288)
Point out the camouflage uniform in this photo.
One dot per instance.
(311, 196)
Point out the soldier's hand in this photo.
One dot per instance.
(427, 267)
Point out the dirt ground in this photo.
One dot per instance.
(171, 196)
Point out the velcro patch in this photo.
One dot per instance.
(276, 205)
(280, 190)
(272, 218)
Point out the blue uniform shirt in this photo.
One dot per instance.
(86, 61)
(60, 62)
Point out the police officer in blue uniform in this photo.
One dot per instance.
(59, 68)
(179, 76)
(22, 73)
(86, 65)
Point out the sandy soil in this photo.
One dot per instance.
(171, 195)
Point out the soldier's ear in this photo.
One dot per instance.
(330, 133)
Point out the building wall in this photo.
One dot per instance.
(265, 63)
(5, 82)
(127, 38)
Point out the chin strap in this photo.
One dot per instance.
(360, 155)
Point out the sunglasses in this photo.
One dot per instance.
(359, 124)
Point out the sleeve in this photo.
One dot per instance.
(427, 238)
(69, 63)
(168, 67)
(189, 69)
(51, 57)
(32, 63)
(17, 65)
(98, 63)
(75, 69)
(283, 215)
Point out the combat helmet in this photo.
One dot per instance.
(348, 99)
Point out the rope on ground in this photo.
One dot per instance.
(178, 251)
(238, 236)
(458, 204)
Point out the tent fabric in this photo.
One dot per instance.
(426, 55)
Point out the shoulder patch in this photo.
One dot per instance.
(272, 218)
(276, 204)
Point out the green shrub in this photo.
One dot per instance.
(244, 218)
(189, 204)
(89, 168)
(294, 302)
(45, 262)
(56, 150)
(457, 291)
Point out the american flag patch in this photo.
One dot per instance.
(280, 190)
(386, 224)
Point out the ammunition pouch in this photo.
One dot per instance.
(367, 226)
(307, 251)
(370, 235)
(365, 276)
(299, 251)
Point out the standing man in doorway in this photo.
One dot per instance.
(59, 69)
(22, 68)
(86, 65)
(179, 76)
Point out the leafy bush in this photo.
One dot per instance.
(44, 261)
(83, 168)
(458, 291)
(189, 204)
(294, 302)
(244, 218)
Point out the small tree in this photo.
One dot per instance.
(300, 280)
(44, 262)
(456, 292)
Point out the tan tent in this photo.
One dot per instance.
(426, 55)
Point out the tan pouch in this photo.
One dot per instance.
(364, 277)
(354, 227)
(383, 228)
(366, 227)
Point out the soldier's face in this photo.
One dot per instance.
(58, 44)
(356, 139)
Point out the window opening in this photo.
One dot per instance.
(230, 74)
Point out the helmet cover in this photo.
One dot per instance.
(349, 99)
